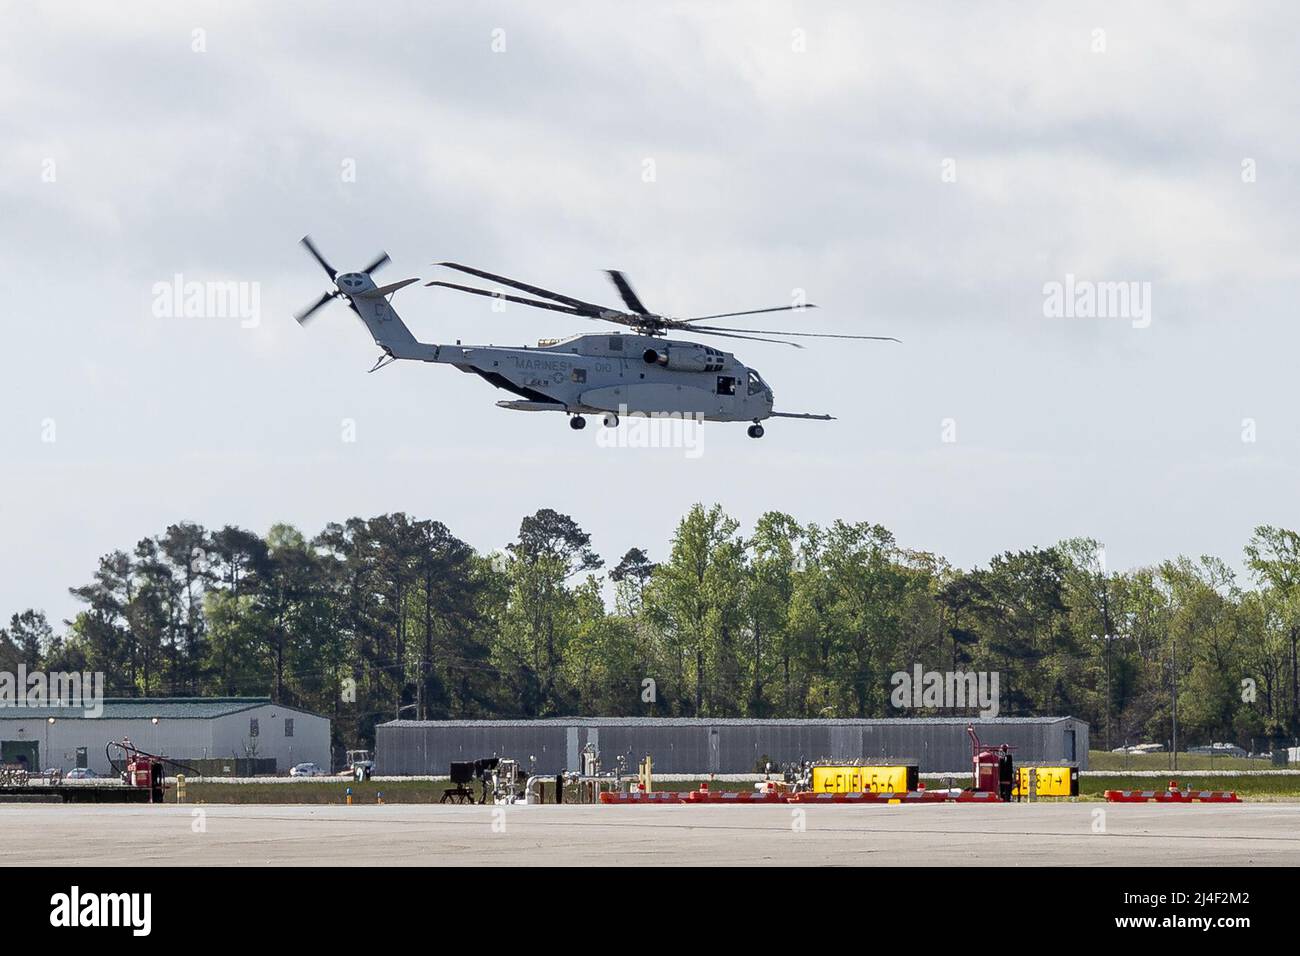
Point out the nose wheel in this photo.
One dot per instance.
(610, 420)
(577, 423)
(755, 430)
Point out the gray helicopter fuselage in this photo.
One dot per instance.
(591, 373)
(621, 373)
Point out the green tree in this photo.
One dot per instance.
(28, 638)
(1205, 640)
(773, 566)
(552, 549)
(695, 600)
(1273, 556)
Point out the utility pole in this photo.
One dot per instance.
(1108, 631)
(1107, 638)
(1173, 679)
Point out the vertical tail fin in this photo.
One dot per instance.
(385, 325)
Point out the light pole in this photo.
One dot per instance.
(49, 722)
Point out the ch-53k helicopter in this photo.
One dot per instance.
(592, 373)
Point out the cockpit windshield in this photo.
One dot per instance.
(756, 383)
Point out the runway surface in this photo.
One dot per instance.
(954, 835)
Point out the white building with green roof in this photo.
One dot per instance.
(228, 734)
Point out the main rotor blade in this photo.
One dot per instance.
(525, 287)
(514, 298)
(805, 335)
(383, 258)
(724, 315)
(308, 312)
(625, 290)
(311, 247)
(752, 338)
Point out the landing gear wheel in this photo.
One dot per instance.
(610, 420)
(756, 431)
(577, 423)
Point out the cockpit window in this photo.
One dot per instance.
(756, 383)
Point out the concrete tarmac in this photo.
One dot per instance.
(940, 835)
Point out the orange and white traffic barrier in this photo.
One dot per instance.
(809, 797)
(913, 796)
(736, 796)
(644, 796)
(771, 795)
(1172, 796)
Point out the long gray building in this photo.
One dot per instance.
(692, 745)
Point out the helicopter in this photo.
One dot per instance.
(592, 373)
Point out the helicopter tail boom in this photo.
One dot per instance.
(386, 326)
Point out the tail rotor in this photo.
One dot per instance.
(304, 314)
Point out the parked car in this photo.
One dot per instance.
(81, 773)
(306, 770)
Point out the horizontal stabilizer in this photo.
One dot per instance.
(386, 289)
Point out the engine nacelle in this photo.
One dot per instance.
(686, 357)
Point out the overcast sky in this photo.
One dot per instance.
(921, 170)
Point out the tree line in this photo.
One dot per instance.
(385, 617)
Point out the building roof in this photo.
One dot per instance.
(168, 708)
(724, 722)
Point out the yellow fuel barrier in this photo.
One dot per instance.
(1052, 782)
(898, 778)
